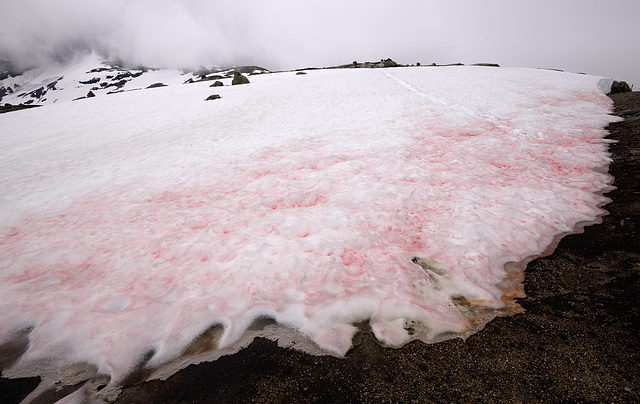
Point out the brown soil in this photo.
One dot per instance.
(579, 340)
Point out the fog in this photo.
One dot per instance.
(592, 36)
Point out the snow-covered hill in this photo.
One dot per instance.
(90, 73)
(155, 229)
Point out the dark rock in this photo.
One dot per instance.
(251, 69)
(238, 78)
(52, 85)
(10, 108)
(300, 73)
(37, 93)
(221, 72)
(119, 84)
(127, 75)
(119, 80)
(388, 63)
(98, 70)
(370, 65)
(213, 97)
(630, 112)
(208, 78)
(4, 91)
(16, 390)
(217, 84)
(620, 87)
(90, 94)
(92, 81)
(486, 64)
(156, 85)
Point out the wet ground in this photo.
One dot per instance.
(579, 340)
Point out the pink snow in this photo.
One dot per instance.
(301, 199)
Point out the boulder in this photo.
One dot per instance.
(10, 108)
(213, 97)
(486, 64)
(387, 63)
(156, 85)
(217, 84)
(238, 78)
(620, 87)
(91, 81)
(90, 94)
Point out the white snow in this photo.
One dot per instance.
(131, 223)
(74, 80)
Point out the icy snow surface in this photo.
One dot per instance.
(132, 223)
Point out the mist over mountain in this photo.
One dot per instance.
(574, 35)
(163, 33)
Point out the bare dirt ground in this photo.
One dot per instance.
(579, 340)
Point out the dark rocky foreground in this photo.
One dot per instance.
(579, 340)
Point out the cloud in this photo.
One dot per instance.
(595, 36)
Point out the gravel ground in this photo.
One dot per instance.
(579, 340)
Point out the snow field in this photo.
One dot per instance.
(131, 223)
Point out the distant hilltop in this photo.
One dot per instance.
(93, 76)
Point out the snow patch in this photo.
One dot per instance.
(148, 230)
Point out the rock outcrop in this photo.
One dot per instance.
(371, 65)
(156, 85)
(620, 87)
(486, 64)
(238, 78)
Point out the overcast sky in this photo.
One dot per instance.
(598, 37)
